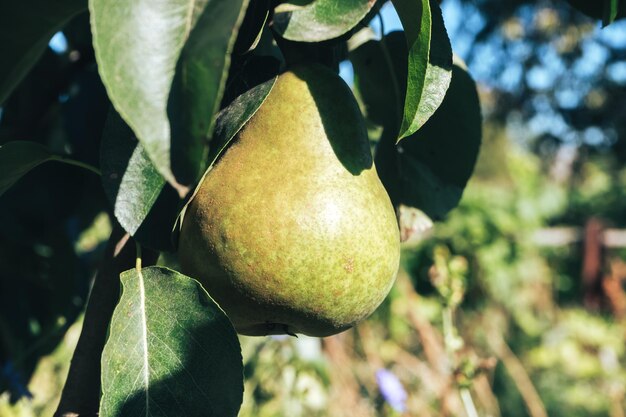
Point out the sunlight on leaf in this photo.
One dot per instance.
(138, 74)
(319, 20)
(429, 61)
(171, 351)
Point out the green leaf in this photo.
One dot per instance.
(252, 26)
(138, 45)
(25, 30)
(319, 20)
(143, 203)
(430, 169)
(130, 180)
(17, 158)
(198, 85)
(607, 10)
(171, 351)
(374, 61)
(610, 12)
(232, 118)
(429, 61)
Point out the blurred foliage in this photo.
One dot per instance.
(52, 223)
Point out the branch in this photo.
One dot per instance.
(81, 393)
(520, 377)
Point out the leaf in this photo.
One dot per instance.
(381, 60)
(25, 30)
(232, 118)
(230, 121)
(137, 47)
(610, 12)
(429, 61)
(319, 20)
(17, 158)
(430, 169)
(198, 85)
(171, 351)
(607, 10)
(143, 203)
(130, 180)
(252, 26)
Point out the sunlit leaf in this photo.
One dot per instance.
(319, 20)
(171, 351)
(130, 180)
(25, 30)
(138, 45)
(143, 203)
(17, 159)
(429, 61)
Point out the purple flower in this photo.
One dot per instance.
(391, 389)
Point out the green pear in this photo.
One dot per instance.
(292, 231)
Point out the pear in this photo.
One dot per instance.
(292, 231)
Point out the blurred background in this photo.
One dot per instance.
(514, 305)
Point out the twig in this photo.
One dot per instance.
(519, 376)
(468, 403)
(450, 337)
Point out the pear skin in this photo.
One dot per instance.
(292, 231)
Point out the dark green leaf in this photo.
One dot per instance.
(429, 61)
(171, 351)
(248, 72)
(143, 203)
(319, 20)
(250, 32)
(430, 169)
(610, 11)
(138, 44)
(25, 30)
(374, 61)
(607, 10)
(231, 119)
(198, 85)
(17, 158)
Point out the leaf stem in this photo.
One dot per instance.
(448, 333)
(70, 161)
(450, 336)
(468, 403)
(138, 259)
